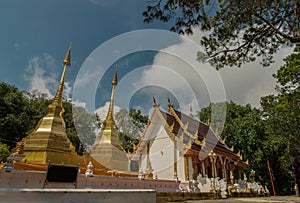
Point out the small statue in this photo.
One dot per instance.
(89, 170)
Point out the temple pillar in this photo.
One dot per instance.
(190, 168)
(239, 173)
(203, 168)
(149, 169)
(140, 161)
(186, 168)
(224, 168)
(175, 161)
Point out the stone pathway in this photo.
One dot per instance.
(278, 199)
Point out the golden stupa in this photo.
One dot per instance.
(49, 142)
(106, 149)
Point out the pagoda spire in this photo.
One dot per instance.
(66, 62)
(106, 148)
(49, 140)
(110, 121)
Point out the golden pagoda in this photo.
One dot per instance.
(49, 141)
(107, 149)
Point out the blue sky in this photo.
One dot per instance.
(32, 28)
(35, 35)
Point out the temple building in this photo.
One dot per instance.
(107, 149)
(177, 146)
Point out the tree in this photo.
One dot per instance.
(13, 115)
(4, 152)
(282, 116)
(70, 127)
(86, 125)
(243, 130)
(20, 112)
(130, 125)
(240, 31)
(139, 120)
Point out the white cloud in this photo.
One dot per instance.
(79, 104)
(242, 85)
(252, 81)
(67, 90)
(42, 75)
(176, 69)
(102, 111)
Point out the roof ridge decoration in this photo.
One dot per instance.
(154, 102)
(193, 138)
(144, 132)
(169, 128)
(223, 141)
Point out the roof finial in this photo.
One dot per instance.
(154, 101)
(169, 104)
(115, 78)
(67, 59)
(191, 111)
(208, 121)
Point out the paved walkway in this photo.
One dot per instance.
(278, 199)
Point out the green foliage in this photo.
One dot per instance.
(86, 125)
(4, 152)
(13, 114)
(139, 120)
(130, 124)
(240, 31)
(244, 130)
(281, 117)
(127, 142)
(70, 127)
(272, 133)
(21, 111)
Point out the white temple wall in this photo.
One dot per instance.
(162, 155)
(180, 168)
(143, 162)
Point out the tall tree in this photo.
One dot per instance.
(243, 130)
(20, 112)
(4, 152)
(282, 120)
(85, 125)
(131, 124)
(240, 31)
(13, 115)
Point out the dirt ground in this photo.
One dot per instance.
(277, 199)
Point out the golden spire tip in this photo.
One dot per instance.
(115, 78)
(67, 59)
